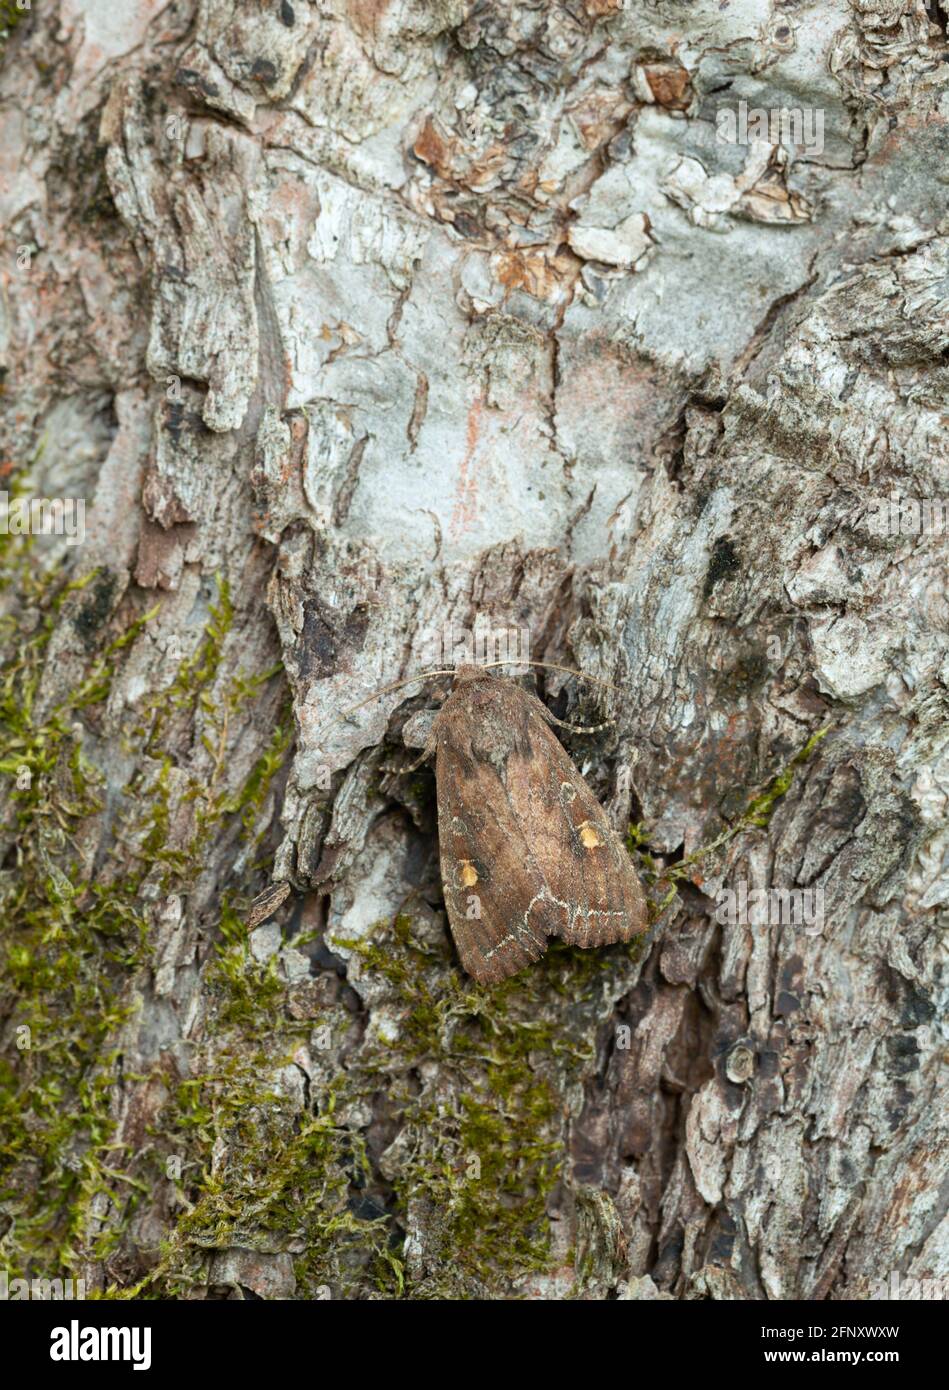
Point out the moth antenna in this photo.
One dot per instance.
(553, 666)
(425, 753)
(579, 728)
(386, 690)
(450, 671)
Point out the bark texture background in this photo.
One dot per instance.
(352, 317)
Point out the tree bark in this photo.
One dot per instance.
(350, 321)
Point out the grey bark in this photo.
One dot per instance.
(393, 315)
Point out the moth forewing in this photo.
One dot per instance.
(577, 851)
(526, 850)
(479, 844)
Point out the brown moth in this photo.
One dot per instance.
(526, 849)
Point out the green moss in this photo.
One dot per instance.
(10, 16)
(68, 946)
(73, 946)
(495, 1159)
(248, 991)
(194, 681)
(756, 815)
(282, 1184)
(486, 1149)
(258, 1173)
(249, 800)
(481, 1156)
(761, 808)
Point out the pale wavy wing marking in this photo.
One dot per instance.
(617, 913)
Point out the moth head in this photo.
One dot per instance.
(469, 672)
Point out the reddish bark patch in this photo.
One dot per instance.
(366, 14)
(670, 85)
